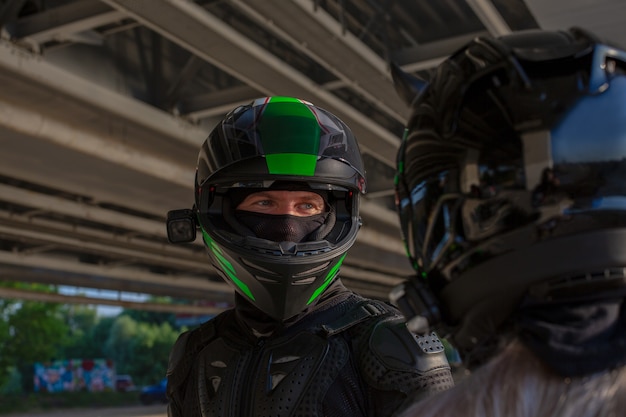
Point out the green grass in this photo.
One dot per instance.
(51, 401)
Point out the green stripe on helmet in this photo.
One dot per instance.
(291, 164)
(292, 144)
(226, 266)
(329, 278)
(284, 99)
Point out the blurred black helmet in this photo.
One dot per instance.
(511, 177)
(288, 144)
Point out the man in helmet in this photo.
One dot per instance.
(277, 203)
(511, 191)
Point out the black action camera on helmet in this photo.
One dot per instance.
(181, 226)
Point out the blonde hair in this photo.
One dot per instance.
(516, 384)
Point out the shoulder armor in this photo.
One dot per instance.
(184, 351)
(393, 356)
(398, 348)
(178, 352)
(362, 312)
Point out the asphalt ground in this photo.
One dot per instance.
(159, 410)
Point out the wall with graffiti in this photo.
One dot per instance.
(74, 375)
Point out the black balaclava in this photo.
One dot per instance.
(279, 228)
(576, 339)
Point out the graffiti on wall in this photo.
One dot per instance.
(74, 375)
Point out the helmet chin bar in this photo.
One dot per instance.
(270, 247)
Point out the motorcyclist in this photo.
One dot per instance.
(277, 204)
(511, 193)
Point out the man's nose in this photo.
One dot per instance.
(287, 209)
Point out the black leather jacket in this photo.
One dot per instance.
(353, 358)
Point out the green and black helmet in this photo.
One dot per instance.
(279, 143)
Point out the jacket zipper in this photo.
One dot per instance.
(251, 378)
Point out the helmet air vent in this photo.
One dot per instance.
(258, 268)
(583, 285)
(312, 271)
(261, 278)
(305, 281)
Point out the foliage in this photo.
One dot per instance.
(13, 385)
(140, 349)
(153, 317)
(5, 337)
(30, 331)
(83, 342)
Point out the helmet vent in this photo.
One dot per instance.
(258, 268)
(312, 271)
(582, 285)
(313, 252)
(261, 278)
(299, 253)
(305, 281)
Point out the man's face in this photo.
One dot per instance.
(279, 202)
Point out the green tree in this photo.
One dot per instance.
(100, 334)
(37, 331)
(153, 317)
(138, 342)
(140, 349)
(5, 339)
(118, 344)
(151, 350)
(85, 333)
(7, 308)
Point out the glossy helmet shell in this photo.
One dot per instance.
(511, 178)
(279, 139)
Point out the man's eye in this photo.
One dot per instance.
(309, 206)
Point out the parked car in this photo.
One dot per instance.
(153, 394)
(124, 383)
